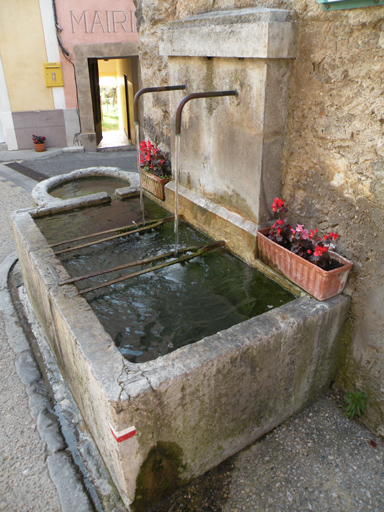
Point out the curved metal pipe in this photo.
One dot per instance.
(193, 96)
(151, 89)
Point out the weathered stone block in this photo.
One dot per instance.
(189, 410)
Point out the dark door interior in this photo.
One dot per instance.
(95, 93)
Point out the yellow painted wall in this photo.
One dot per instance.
(107, 67)
(22, 50)
(123, 66)
(126, 66)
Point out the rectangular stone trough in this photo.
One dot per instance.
(162, 423)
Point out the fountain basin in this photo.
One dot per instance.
(185, 412)
(161, 423)
(44, 192)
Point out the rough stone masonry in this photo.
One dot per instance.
(333, 160)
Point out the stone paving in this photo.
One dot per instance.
(317, 460)
(25, 484)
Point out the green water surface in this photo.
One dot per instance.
(156, 313)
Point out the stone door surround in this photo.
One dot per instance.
(83, 52)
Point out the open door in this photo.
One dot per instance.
(95, 93)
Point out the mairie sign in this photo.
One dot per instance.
(106, 22)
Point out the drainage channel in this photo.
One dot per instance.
(27, 171)
(87, 462)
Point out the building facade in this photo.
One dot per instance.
(49, 79)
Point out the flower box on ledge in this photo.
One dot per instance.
(320, 283)
(154, 184)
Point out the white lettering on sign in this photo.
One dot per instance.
(105, 22)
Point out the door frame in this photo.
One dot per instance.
(83, 52)
(95, 94)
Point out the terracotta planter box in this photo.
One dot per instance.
(322, 284)
(154, 184)
(40, 147)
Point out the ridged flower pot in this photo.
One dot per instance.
(320, 283)
(154, 184)
(40, 147)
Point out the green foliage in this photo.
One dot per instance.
(355, 403)
(110, 121)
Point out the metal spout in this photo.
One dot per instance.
(193, 96)
(151, 89)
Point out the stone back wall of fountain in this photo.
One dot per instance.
(333, 159)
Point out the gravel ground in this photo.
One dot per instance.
(318, 460)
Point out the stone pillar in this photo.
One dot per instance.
(231, 147)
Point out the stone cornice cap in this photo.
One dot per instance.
(243, 33)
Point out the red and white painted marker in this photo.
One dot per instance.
(123, 434)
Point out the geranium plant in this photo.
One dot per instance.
(38, 139)
(153, 160)
(305, 243)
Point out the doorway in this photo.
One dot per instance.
(114, 83)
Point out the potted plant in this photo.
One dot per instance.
(303, 256)
(155, 169)
(39, 142)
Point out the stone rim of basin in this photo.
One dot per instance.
(41, 193)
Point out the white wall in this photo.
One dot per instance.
(6, 120)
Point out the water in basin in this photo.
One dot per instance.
(80, 187)
(156, 313)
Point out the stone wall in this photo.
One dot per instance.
(333, 162)
(334, 168)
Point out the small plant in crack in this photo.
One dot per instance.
(355, 403)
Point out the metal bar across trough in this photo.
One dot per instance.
(95, 242)
(201, 251)
(113, 230)
(129, 265)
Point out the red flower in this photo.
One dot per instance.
(319, 251)
(313, 233)
(277, 204)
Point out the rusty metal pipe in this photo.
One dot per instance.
(151, 89)
(193, 96)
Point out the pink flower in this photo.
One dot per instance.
(304, 235)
